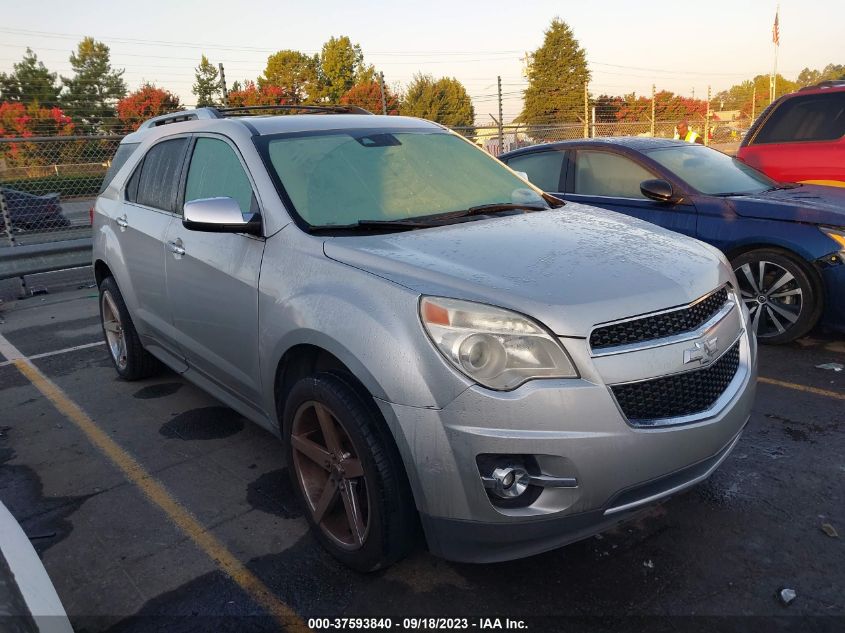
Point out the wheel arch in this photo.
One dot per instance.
(785, 249)
(101, 271)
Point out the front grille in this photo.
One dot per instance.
(659, 325)
(679, 395)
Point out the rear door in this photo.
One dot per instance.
(212, 278)
(802, 140)
(546, 168)
(141, 226)
(611, 181)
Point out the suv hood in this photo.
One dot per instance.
(811, 204)
(569, 268)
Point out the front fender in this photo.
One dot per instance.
(368, 323)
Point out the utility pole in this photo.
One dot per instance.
(707, 120)
(586, 112)
(653, 92)
(501, 130)
(754, 104)
(594, 121)
(693, 92)
(223, 85)
(381, 86)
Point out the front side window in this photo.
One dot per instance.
(543, 168)
(711, 172)
(159, 177)
(216, 172)
(819, 117)
(606, 174)
(338, 178)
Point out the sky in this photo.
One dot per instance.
(682, 47)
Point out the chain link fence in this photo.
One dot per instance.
(49, 184)
(724, 136)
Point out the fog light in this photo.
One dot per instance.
(509, 481)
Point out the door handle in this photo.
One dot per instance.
(175, 247)
(122, 222)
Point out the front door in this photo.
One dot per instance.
(212, 278)
(611, 181)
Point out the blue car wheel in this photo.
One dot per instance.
(780, 292)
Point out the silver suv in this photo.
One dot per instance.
(437, 342)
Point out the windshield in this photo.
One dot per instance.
(711, 172)
(340, 178)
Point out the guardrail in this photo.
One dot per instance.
(31, 259)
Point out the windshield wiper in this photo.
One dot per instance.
(374, 225)
(426, 222)
(483, 209)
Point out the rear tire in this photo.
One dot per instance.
(347, 472)
(130, 359)
(781, 293)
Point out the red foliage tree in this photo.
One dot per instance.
(367, 95)
(146, 102)
(24, 121)
(252, 95)
(667, 107)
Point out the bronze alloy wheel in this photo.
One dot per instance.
(113, 327)
(330, 475)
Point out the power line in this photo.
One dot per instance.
(178, 44)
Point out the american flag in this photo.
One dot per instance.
(776, 31)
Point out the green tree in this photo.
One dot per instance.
(294, 72)
(443, 100)
(341, 67)
(557, 73)
(808, 77)
(207, 87)
(30, 82)
(92, 93)
(754, 92)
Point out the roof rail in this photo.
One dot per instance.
(315, 109)
(829, 83)
(221, 113)
(178, 117)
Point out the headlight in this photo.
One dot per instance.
(837, 235)
(495, 347)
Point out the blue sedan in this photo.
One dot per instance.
(785, 241)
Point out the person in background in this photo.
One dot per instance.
(684, 133)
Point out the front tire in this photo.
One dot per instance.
(130, 359)
(780, 293)
(347, 472)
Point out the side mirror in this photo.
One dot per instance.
(522, 175)
(657, 189)
(218, 215)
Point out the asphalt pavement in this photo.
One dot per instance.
(156, 508)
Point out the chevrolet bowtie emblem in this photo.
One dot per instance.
(704, 351)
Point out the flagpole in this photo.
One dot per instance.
(776, 41)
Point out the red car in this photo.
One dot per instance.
(801, 137)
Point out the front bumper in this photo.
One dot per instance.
(574, 429)
(834, 309)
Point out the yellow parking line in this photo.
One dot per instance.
(157, 493)
(792, 385)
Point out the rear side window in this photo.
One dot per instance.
(819, 117)
(606, 174)
(123, 153)
(160, 173)
(543, 168)
(216, 172)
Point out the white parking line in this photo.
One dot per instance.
(12, 354)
